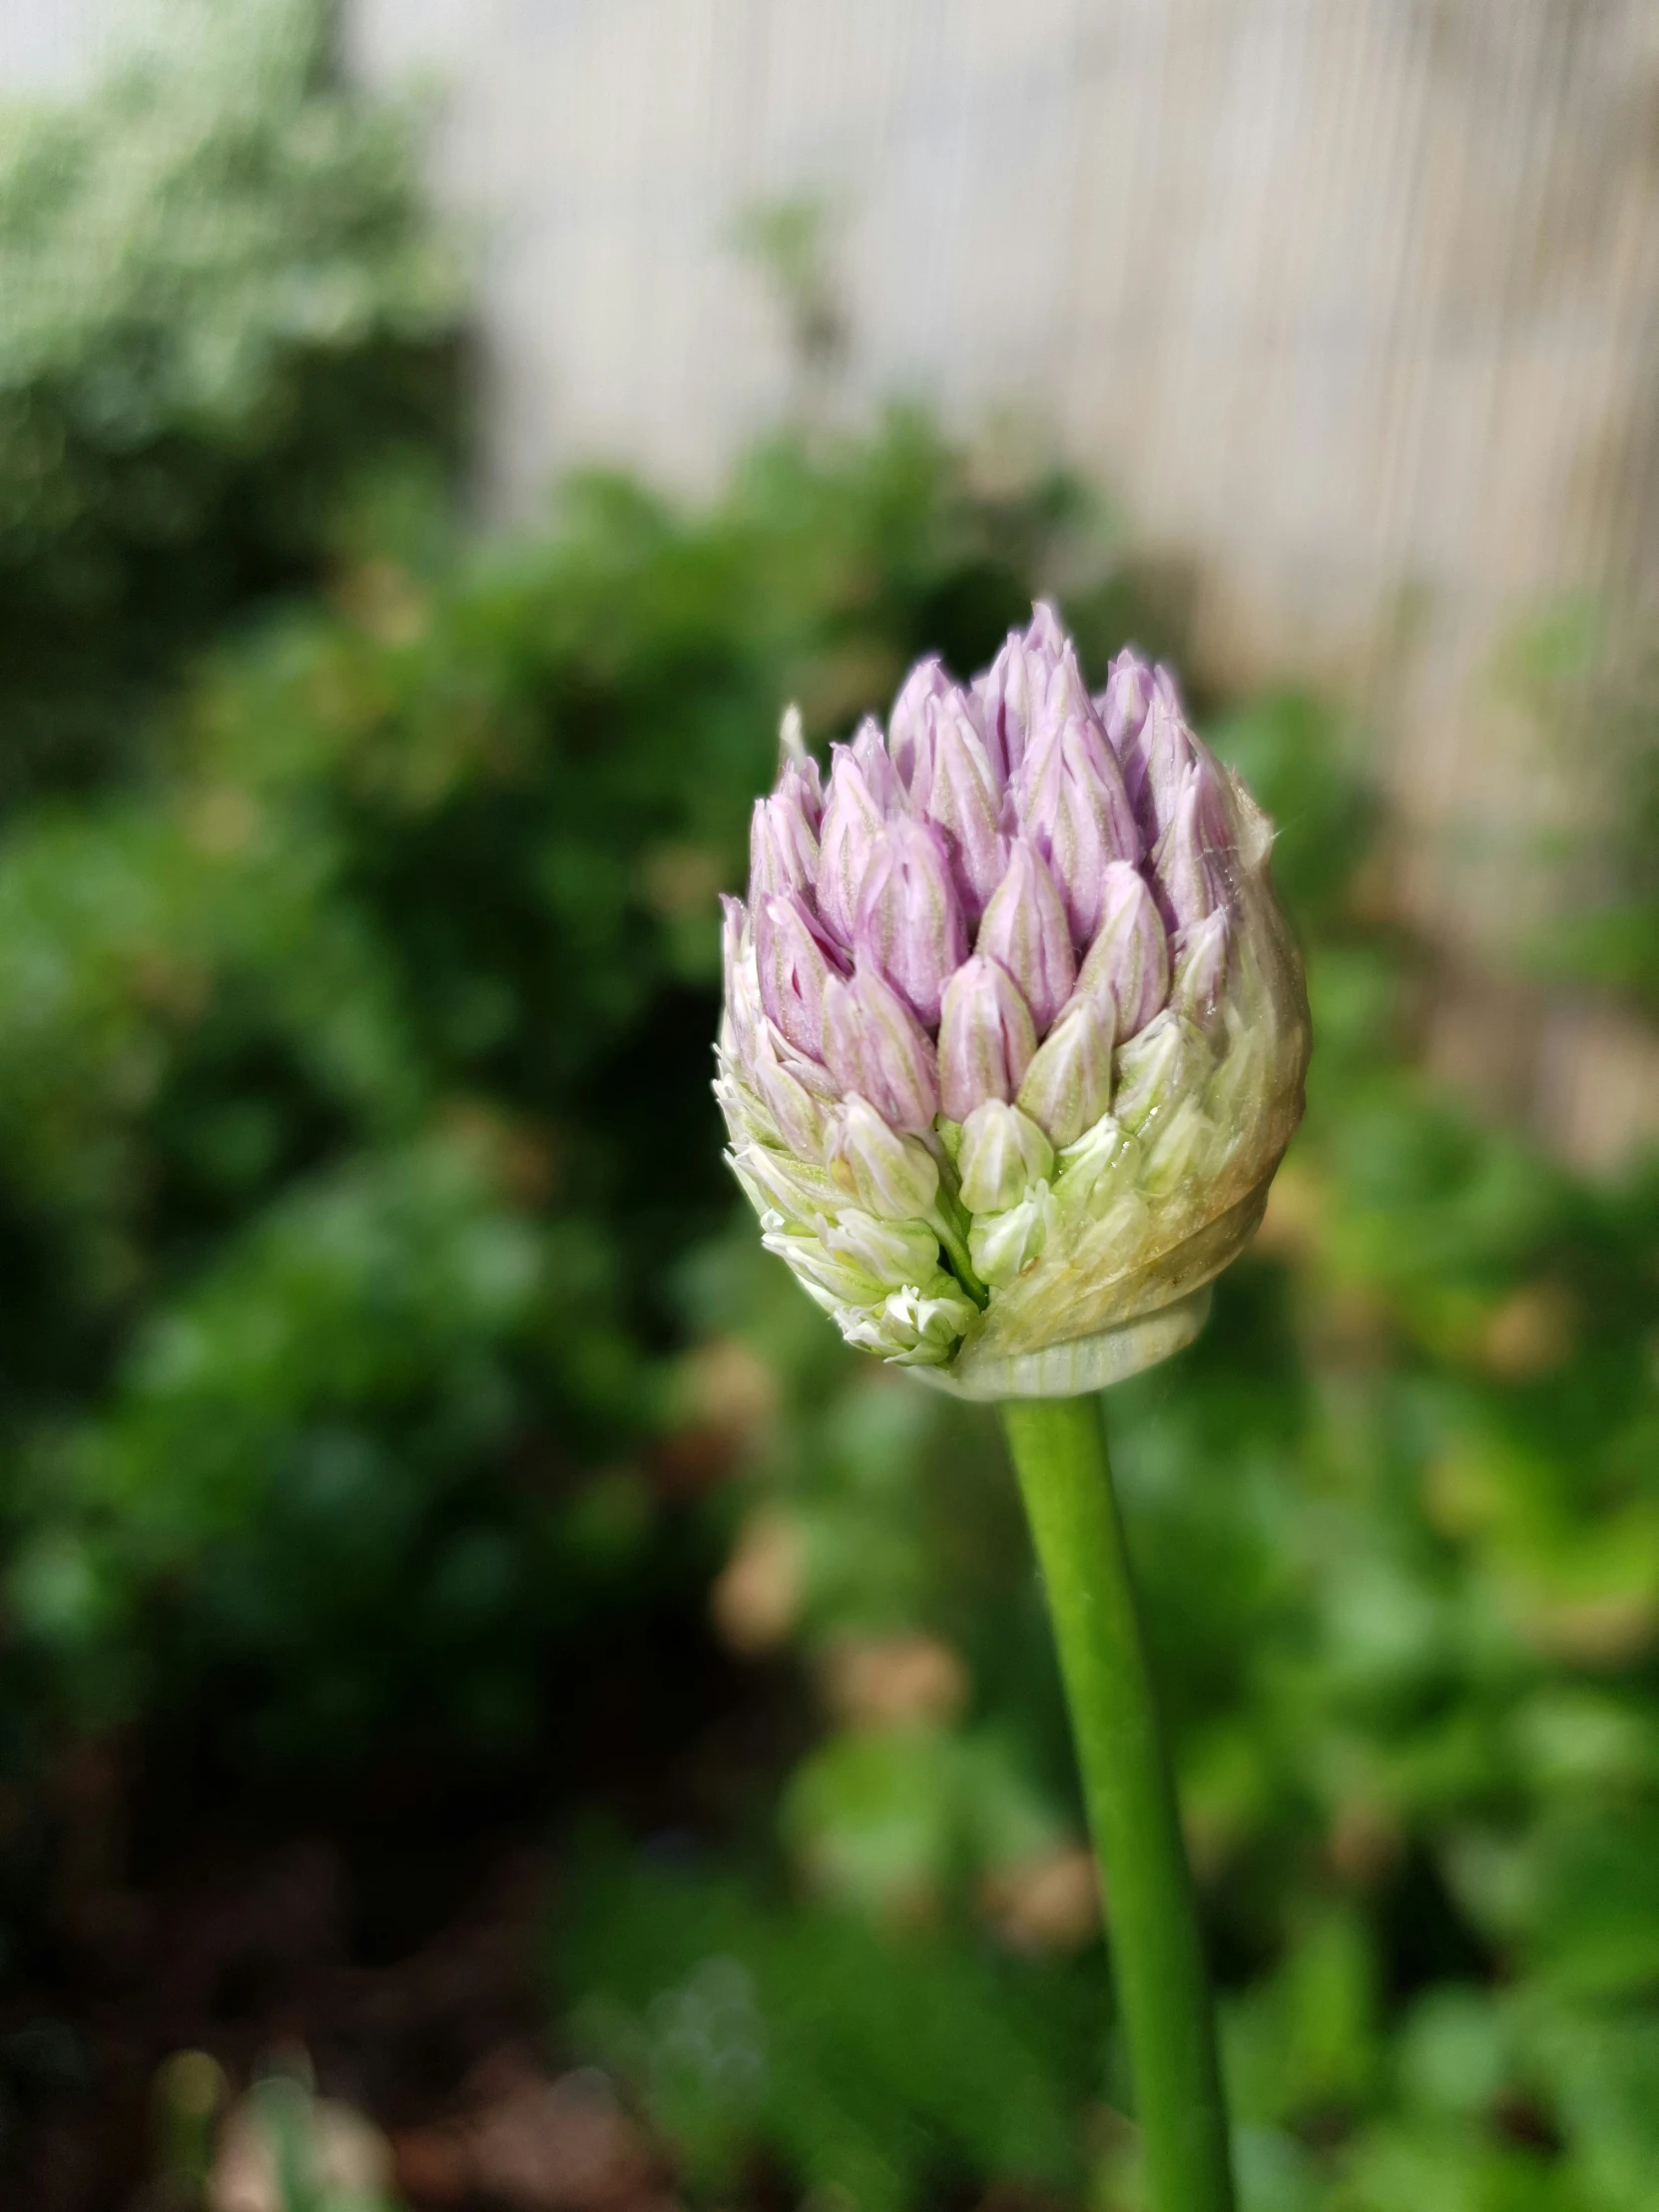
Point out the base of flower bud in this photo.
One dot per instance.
(1085, 1364)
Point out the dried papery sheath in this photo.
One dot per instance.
(1015, 1031)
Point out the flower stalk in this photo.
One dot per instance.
(1059, 1447)
(1014, 1039)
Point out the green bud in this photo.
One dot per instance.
(1003, 1153)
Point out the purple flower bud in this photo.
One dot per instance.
(960, 795)
(928, 680)
(1122, 704)
(798, 776)
(1072, 803)
(890, 1175)
(808, 1072)
(1128, 962)
(870, 750)
(783, 850)
(1027, 930)
(876, 1048)
(986, 1038)
(1004, 702)
(853, 826)
(1167, 753)
(1068, 1086)
(1185, 877)
(1201, 966)
(1045, 640)
(910, 922)
(796, 959)
(801, 1119)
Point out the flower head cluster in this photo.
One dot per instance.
(1014, 1030)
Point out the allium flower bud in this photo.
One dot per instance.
(1071, 800)
(1129, 958)
(875, 1046)
(783, 849)
(1025, 930)
(956, 789)
(1157, 757)
(1012, 1172)
(927, 681)
(1122, 704)
(794, 959)
(854, 817)
(910, 922)
(890, 1175)
(1068, 1086)
(986, 1038)
(1201, 966)
(1184, 871)
(1003, 1153)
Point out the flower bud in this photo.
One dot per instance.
(875, 1045)
(1180, 863)
(1008, 697)
(1003, 1153)
(800, 1119)
(794, 959)
(1088, 1188)
(1158, 1068)
(895, 1252)
(870, 750)
(843, 1281)
(798, 778)
(986, 1038)
(1123, 703)
(957, 791)
(1201, 966)
(1068, 1086)
(1025, 930)
(797, 1192)
(917, 1326)
(1128, 962)
(928, 680)
(854, 819)
(910, 922)
(893, 1176)
(1003, 1246)
(741, 1011)
(1072, 803)
(782, 852)
(1003, 701)
(1166, 750)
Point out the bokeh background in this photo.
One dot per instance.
(497, 1709)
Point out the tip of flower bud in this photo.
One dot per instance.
(792, 737)
(1045, 636)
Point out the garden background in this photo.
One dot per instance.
(495, 1705)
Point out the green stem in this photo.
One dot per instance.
(1059, 1454)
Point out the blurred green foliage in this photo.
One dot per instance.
(354, 1107)
(226, 307)
(1591, 690)
(375, 1328)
